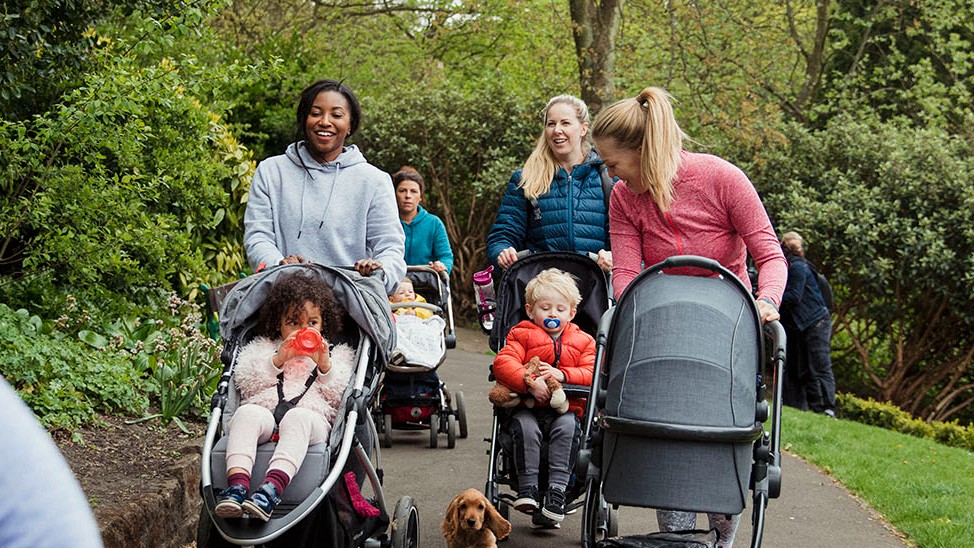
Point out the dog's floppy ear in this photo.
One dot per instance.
(451, 523)
(494, 521)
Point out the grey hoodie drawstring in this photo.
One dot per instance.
(334, 183)
(304, 188)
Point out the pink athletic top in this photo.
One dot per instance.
(716, 213)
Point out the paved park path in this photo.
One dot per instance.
(813, 511)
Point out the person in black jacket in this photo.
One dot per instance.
(808, 380)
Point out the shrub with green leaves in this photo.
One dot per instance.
(124, 188)
(890, 417)
(887, 210)
(178, 362)
(64, 381)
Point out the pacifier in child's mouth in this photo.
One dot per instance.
(552, 323)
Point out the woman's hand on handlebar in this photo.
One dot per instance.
(605, 260)
(507, 257)
(767, 311)
(294, 259)
(367, 266)
(438, 266)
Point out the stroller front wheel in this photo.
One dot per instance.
(387, 431)
(405, 524)
(451, 431)
(461, 412)
(601, 520)
(434, 430)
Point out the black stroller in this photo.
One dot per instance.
(316, 508)
(411, 395)
(679, 405)
(594, 288)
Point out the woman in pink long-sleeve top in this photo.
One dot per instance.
(676, 202)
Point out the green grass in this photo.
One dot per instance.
(923, 488)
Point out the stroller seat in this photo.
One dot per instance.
(311, 474)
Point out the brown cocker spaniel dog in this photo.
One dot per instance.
(472, 521)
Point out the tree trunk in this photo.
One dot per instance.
(595, 26)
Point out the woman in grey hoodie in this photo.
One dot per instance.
(321, 201)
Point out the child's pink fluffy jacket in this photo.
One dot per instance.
(256, 378)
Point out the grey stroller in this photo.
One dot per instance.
(316, 508)
(679, 403)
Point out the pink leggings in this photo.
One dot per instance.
(253, 425)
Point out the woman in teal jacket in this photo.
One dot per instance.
(556, 202)
(426, 239)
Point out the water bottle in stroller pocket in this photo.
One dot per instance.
(483, 287)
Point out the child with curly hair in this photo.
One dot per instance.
(290, 386)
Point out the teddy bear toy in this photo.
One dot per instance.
(503, 396)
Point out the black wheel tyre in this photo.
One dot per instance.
(434, 429)
(387, 431)
(451, 431)
(461, 415)
(405, 524)
(594, 526)
(206, 534)
(504, 510)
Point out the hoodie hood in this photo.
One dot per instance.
(299, 155)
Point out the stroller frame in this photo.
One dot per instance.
(448, 411)
(765, 471)
(353, 427)
(594, 288)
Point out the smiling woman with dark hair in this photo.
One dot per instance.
(321, 201)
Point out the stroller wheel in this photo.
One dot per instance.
(206, 533)
(461, 411)
(601, 521)
(387, 431)
(451, 431)
(405, 524)
(434, 429)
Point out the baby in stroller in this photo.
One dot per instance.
(290, 384)
(420, 332)
(407, 294)
(568, 355)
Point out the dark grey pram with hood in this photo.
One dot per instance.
(315, 509)
(679, 401)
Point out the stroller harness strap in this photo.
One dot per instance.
(283, 405)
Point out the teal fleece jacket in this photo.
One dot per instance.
(334, 213)
(426, 240)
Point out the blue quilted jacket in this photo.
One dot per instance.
(571, 216)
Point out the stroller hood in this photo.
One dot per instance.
(592, 284)
(364, 298)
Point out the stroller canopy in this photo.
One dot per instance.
(591, 281)
(363, 297)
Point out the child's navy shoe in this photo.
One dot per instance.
(262, 502)
(229, 502)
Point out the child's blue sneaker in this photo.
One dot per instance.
(262, 502)
(229, 502)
